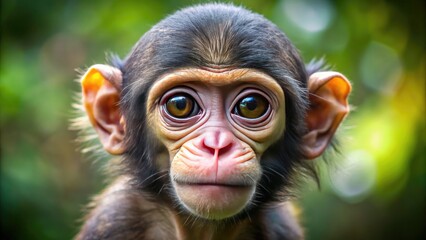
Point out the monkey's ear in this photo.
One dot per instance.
(101, 87)
(328, 96)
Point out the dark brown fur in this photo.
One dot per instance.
(122, 212)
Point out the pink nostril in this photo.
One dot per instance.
(225, 149)
(219, 140)
(208, 148)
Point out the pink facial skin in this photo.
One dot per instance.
(214, 153)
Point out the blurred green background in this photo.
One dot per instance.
(375, 189)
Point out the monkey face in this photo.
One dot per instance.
(215, 127)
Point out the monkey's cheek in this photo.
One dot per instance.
(214, 201)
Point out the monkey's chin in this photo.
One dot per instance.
(214, 201)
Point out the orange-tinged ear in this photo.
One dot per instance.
(101, 87)
(328, 96)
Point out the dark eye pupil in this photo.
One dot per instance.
(250, 103)
(180, 102)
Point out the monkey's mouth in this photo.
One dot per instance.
(218, 184)
(211, 189)
(214, 200)
(214, 191)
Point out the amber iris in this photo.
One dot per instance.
(180, 106)
(252, 106)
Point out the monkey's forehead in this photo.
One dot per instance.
(213, 77)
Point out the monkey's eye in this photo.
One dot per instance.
(251, 106)
(182, 106)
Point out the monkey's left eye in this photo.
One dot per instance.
(182, 106)
(252, 106)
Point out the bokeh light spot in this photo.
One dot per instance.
(311, 16)
(356, 178)
(380, 68)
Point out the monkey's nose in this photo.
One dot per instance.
(220, 140)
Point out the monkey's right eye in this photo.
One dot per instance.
(182, 106)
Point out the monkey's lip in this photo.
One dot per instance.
(213, 190)
(214, 200)
(217, 184)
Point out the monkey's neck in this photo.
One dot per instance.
(188, 228)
